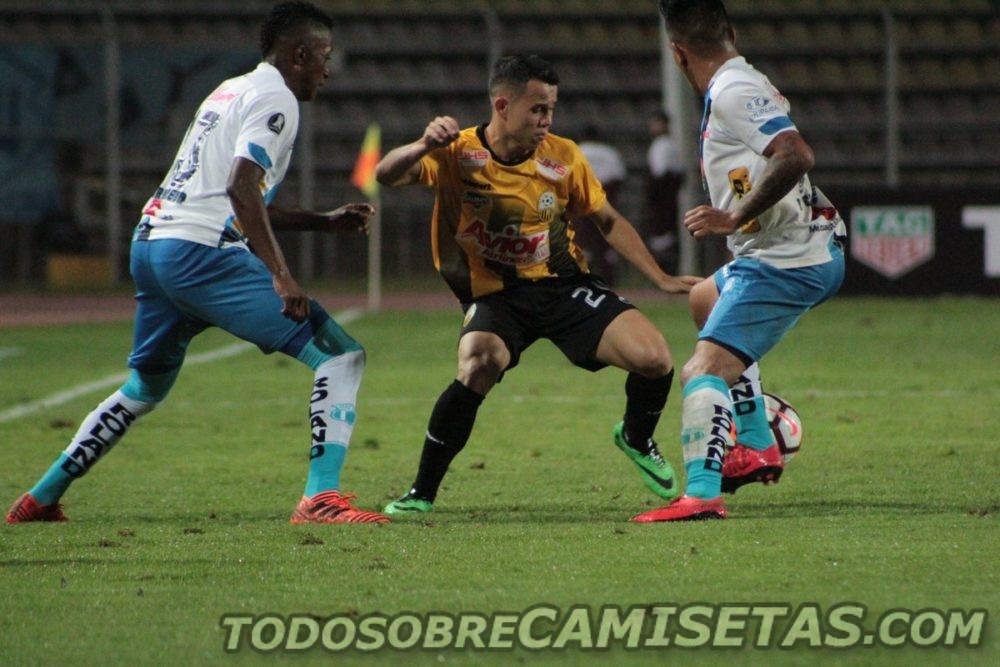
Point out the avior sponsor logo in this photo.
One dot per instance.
(507, 246)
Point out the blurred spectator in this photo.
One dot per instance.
(609, 168)
(60, 226)
(664, 180)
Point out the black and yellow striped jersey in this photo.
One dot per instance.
(496, 224)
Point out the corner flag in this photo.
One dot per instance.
(363, 176)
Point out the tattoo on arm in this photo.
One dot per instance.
(788, 163)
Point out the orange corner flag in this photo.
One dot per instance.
(363, 176)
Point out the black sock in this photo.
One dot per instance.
(644, 401)
(447, 432)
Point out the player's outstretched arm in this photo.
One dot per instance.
(347, 218)
(243, 189)
(622, 236)
(401, 165)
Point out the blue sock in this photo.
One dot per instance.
(752, 429)
(332, 415)
(325, 462)
(53, 484)
(706, 433)
(97, 435)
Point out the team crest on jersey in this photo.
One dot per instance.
(550, 169)
(547, 206)
(276, 123)
(473, 158)
(507, 246)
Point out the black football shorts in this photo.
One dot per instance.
(572, 312)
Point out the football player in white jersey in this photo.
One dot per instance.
(785, 240)
(204, 254)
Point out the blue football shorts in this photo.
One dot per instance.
(182, 288)
(758, 303)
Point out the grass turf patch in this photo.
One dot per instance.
(891, 504)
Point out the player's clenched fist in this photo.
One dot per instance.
(440, 132)
(704, 221)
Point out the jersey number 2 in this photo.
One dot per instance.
(589, 297)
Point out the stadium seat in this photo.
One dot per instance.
(865, 34)
(346, 114)
(921, 73)
(522, 35)
(830, 73)
(992, 30)
(794, 74)
(967, 31)
(638, 36)
(991, 72)
(963, 72)
(958, 108)
(358, 35)
(830, 32)
(865, 73)
(923, 109)
(758, 33)
(795, 34)
(932, 32)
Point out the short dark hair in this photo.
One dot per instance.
(519, 70)
(697, 23)
(287, 17)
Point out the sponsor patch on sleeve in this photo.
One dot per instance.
(276, 123)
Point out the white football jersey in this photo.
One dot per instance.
(743, 114)
(254, 116)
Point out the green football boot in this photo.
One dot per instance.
(655, 471)
(408, 504)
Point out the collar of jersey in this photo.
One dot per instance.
(481, 133)
(732, 63)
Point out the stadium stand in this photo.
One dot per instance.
(404, 61)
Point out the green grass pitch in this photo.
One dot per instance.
(892, 502)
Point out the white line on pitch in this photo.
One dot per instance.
(7, 352)
(59, 398)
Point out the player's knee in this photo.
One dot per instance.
(149, 388)
(706, 365)
(322, 341)
(691, 370)
(653, 361)
(355, 360)
(479, 368)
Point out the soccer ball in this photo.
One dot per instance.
(786, 425)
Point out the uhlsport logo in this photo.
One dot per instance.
(892, 240)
